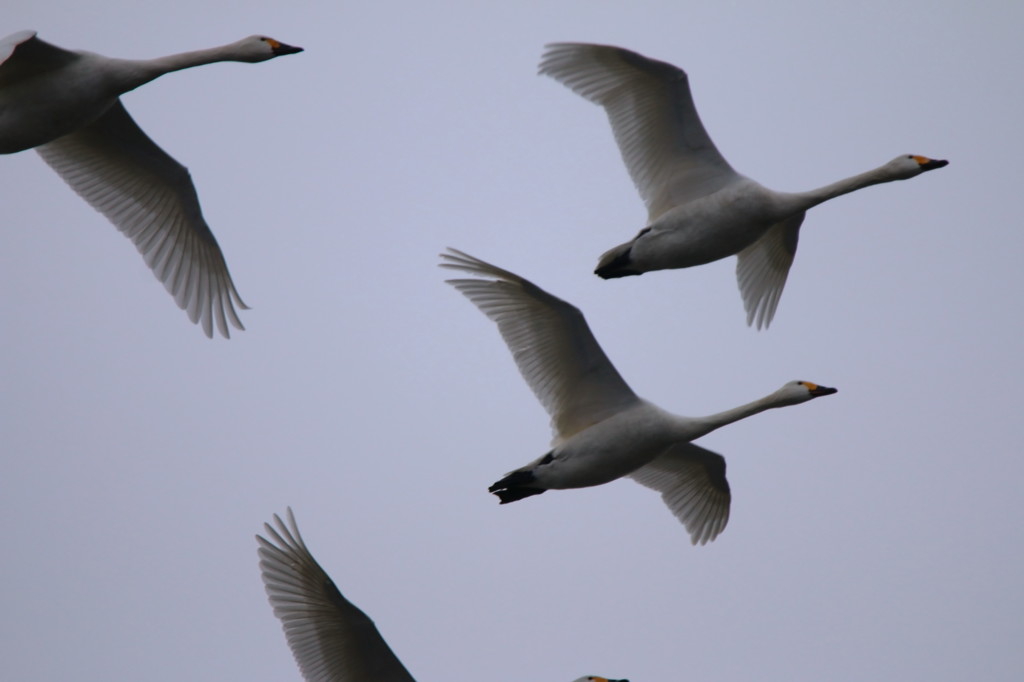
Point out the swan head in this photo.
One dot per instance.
(796, 392)
(261, 48)
(908, 165)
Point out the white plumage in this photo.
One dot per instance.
(699, 208)
(602, 429)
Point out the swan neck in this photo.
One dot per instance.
(141, 71)
(716, 421)
(814, 197)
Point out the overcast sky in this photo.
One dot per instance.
(875, 535)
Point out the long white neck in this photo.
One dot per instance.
(135, 72)
(706, 425)
(876, 176)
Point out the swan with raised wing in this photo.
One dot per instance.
(699, 209)
(66, 105)
(602, 429)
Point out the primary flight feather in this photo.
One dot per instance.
(331, 638)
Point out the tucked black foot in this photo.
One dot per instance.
(507, 495)
(616, 263)
(606, 273)
(515, 486)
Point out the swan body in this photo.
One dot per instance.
(331, 638)
(602, 429)
(66, 105)
(699, 208)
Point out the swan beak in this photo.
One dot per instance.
(282, 49)
(930, 164)
(817, 391)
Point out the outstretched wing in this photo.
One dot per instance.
(692, 483)
(762, 268)
(669, 154)
(331, 639)
(149, 197)
(552, 345)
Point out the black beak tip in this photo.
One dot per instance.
(283, 49)
(823, 390)
(935, 163)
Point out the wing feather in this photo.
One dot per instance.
(332, 639)
(692, 483)
(666, 149)
(123, 174)
(551, 343)
(762, 269)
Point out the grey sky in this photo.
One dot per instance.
(874, 535)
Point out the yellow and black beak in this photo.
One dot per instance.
(930, 164)
(817, 391)
(280, 48)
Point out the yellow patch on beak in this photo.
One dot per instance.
(922, 160)
(274, 45)
(809, 385)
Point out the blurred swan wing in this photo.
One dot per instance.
(331, 639)
(149, 196)
(692, 483)
(669, 154)
(22, 55)
(762, 268)
(552, 345)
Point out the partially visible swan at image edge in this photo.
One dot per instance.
(331, 639)
(66, 105)
(699, 209)
(602, 430)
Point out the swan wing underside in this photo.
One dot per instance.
(667, 151)
(551, 343)
(692, 483)
(123, 174)
(762, 268)
(331, 638)
(23, 55)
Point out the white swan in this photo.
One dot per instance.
(66, 105)
(331, 639)
(603, 430)
(699, 208)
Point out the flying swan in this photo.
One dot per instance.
(699, 208)
(66, 105)
(331, 639)
(602, 430)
